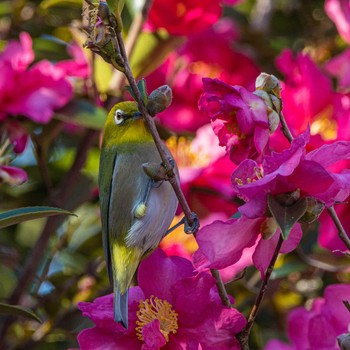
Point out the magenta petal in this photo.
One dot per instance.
(298, 321)
(159, 272)
(321, 333)
(265, 248)
(18, 136)
(339, 314)
(99, 339)
(192, 290)
(153, 338)
(223, 242)
(327, 155)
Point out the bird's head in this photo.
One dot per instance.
(125, 124)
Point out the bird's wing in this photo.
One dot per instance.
(107, 163)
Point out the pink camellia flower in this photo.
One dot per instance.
(225, 243)
(291, 170)
(173, 307)
(33, 92)
(185, 68)
(238, 117)
(180, 17)
(12, 175)
(317, 328)
(339, 12)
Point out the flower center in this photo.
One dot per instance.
(324, 125)
(258, 174)
(156, 309)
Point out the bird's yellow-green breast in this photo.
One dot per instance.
(132, 130)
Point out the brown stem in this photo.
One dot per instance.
(243, 336)
(221, 288)
(341, 232)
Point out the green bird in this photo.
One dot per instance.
(136, 211)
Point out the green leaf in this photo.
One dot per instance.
(141, 84)
(286, 216)
(7, 309)
(83, 113)
(16, 216)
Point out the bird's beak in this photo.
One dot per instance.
(137, 115)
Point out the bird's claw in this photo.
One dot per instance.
(194, 227)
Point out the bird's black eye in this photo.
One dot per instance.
(119, 116)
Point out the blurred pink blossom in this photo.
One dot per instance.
(339, 67)
(180, 17)
(12, 175)
(33, 91)
(339, 12)
(318, 327)
(184, 70)
(195, 316)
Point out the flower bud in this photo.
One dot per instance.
(159, 99)
(344, 341)
(313, 210)
(268, 228)
(268, 83)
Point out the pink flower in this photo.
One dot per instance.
(183, 17)
(33, 92)
(339, 12)
(194, 316)
(290, 170)
(78, 66)
(12, 175)
(306, 93)
(339, 67)
(184, 71)
(318, 327)
(238, 117)
(225, 243)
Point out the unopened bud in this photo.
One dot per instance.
(159, 100)
(344, 341)
(313, 210)
(268, 83)
(155, 171)
(268, 228)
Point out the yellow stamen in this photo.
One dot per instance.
(324, 125)
(156, 309)
(258, 174)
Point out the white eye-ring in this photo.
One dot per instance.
(119, 116)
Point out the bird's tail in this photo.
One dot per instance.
(125, 261)
(121, 306)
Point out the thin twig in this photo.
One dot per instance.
(244, 334)
(221, 288)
